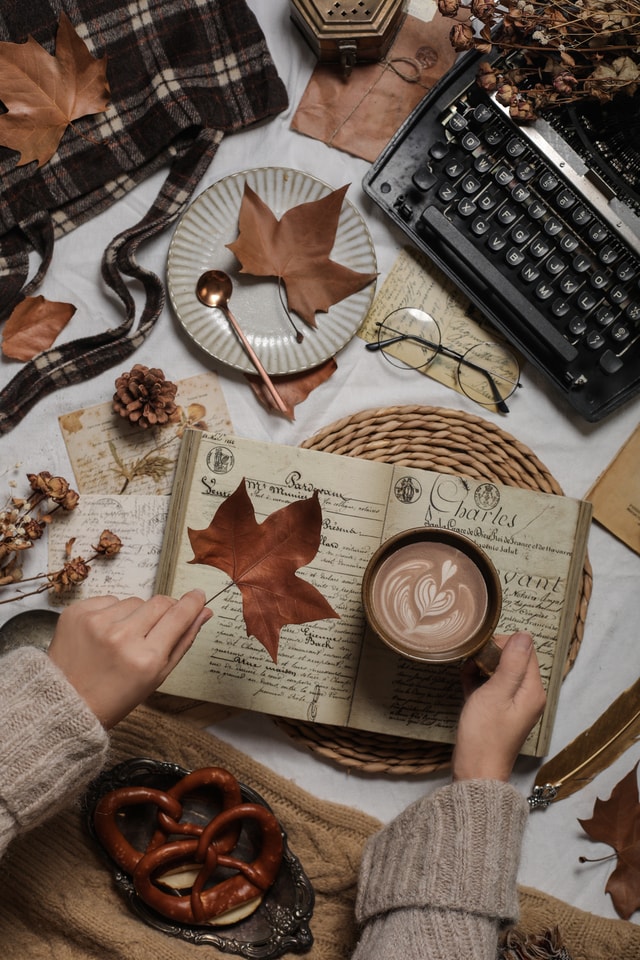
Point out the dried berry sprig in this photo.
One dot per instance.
(146, 399)
(74, 571)
(23, 521)
(589, 49)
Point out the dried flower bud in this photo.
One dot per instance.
(73, 572)
(461, 37)
(70, 500)
(484, 10)
(145, 397)
(522, 110)
(448, 8)
(33, 529)
(505, 94)
(109, 544)
(487, 78)
(55, 488)
(564, 82)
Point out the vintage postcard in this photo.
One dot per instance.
(110, 455)
(414, 281)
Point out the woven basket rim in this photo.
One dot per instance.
(449, 441)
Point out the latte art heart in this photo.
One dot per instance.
(431, 597)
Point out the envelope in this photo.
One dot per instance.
(359, 114)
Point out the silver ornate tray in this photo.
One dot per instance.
(281, 922)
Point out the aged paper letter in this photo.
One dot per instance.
(138, 521)
(616, 494)
(110, 455)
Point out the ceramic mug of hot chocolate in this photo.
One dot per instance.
(434, 595)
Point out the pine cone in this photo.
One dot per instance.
(145, 397)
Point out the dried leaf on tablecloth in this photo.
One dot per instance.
(296, 249)
(261, 559)
(33, 326)
(44, 92)
(616, 822)
(293, 387)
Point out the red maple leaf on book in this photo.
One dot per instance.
(261, 559)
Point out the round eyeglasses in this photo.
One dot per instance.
(487, 373)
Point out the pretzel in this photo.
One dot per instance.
(169, 812)
(201, 904)
(189, 784)
(203, 849)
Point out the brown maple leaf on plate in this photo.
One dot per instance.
(296, 249)
(33, 326)
(44, 93)
(616, 822)
(261, 559)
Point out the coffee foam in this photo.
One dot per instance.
(429, 597)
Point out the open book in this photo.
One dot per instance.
(336, 671)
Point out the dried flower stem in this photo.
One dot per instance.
(570, 51)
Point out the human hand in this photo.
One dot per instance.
(498, 715)
(117, 652)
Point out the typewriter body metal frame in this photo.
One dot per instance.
(388, 184)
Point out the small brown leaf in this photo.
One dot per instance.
(296, 249)
(293, 387)
(616, 821)
(261, 559)
(33, 326)
(44, 94)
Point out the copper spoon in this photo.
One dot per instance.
(214, 289)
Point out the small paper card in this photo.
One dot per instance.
(111, 455)
(616, 494)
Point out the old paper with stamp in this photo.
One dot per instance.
(139, 522)
(110, 455)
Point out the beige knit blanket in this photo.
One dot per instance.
(57, 900)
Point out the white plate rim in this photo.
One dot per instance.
(194, 247)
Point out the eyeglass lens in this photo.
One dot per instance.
(487, 372)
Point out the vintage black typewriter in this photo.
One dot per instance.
(538, 225)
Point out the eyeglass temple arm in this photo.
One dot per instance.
(439, 348)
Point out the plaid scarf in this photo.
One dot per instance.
(182, 74)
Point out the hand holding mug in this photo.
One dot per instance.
(498, 714)
(434, 595)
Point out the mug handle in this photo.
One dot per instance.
(488, 657)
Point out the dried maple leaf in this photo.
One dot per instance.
(296, 249)
(294, 388)
(33, 326)
(261, 559)
(616, 822)
(44, 93)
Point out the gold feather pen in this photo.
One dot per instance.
(592, 751)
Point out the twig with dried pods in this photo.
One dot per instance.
(23, 521)
(569, 52)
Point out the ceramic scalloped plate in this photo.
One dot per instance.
(199, 244)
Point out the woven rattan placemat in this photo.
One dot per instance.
(431, 438)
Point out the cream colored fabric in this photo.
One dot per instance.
(58, 901)
(41, 718)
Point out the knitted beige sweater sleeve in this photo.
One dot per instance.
(51, 744)
(437, 881)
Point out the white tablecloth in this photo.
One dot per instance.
(574, 452)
